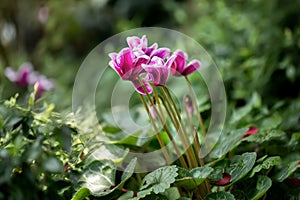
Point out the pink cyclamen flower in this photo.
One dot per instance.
(126, 64)
(224, 181)
(158, 73)
(252, 130)
(138, 45)
(22, 76)
(44, 84)
(178, 66)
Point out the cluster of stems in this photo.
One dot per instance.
(162, 109)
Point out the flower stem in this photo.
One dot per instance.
(205, 185)
(177, 122)
(161, 118)
(201, 124)
(194, 134)
(160, 141)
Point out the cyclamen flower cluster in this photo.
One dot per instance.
(26, 76)
(143, 65)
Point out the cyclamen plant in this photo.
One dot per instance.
(148, 69)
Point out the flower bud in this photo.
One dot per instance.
(188, 103)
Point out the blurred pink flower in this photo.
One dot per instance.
(178, 66)
(22, 77)
(26, 77)
(44, 85)
(43, 14)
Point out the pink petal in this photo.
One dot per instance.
(20, 77)
(252, 130)
(140, 88)
(44, 85)
(113, 56)
(161, 52)
(157, 71)
(11, 74)
(114, 64)
(144, 42)
(191, 67)
(142, 60)
(170, 61)
(133, 41)
(150, 49)
(178, 66)
(157, 61)
(126, 63)
(153, 73)
(136, 42)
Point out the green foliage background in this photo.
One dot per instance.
(255, 43)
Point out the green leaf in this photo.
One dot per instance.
(239, 113)
(266, 164)
(263, 184)
(99, 177)
(64, 136)
(111, 129)
(142, 194)
(35, 149)
(128, 171)
(171, 193)
(240, 165)
(271, 122)
(126, 196)
(227, 142)
(160, 179)
(191, 179)
(295, 139)
(81, 194)
(264, 135)
(53, 165)
(219, 196)
(107, 152)
(155, 197)
(287, 171)
(131, 140)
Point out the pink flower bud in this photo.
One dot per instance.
(188, 103)
(152, 112)
(224, 181)
(252, 130)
